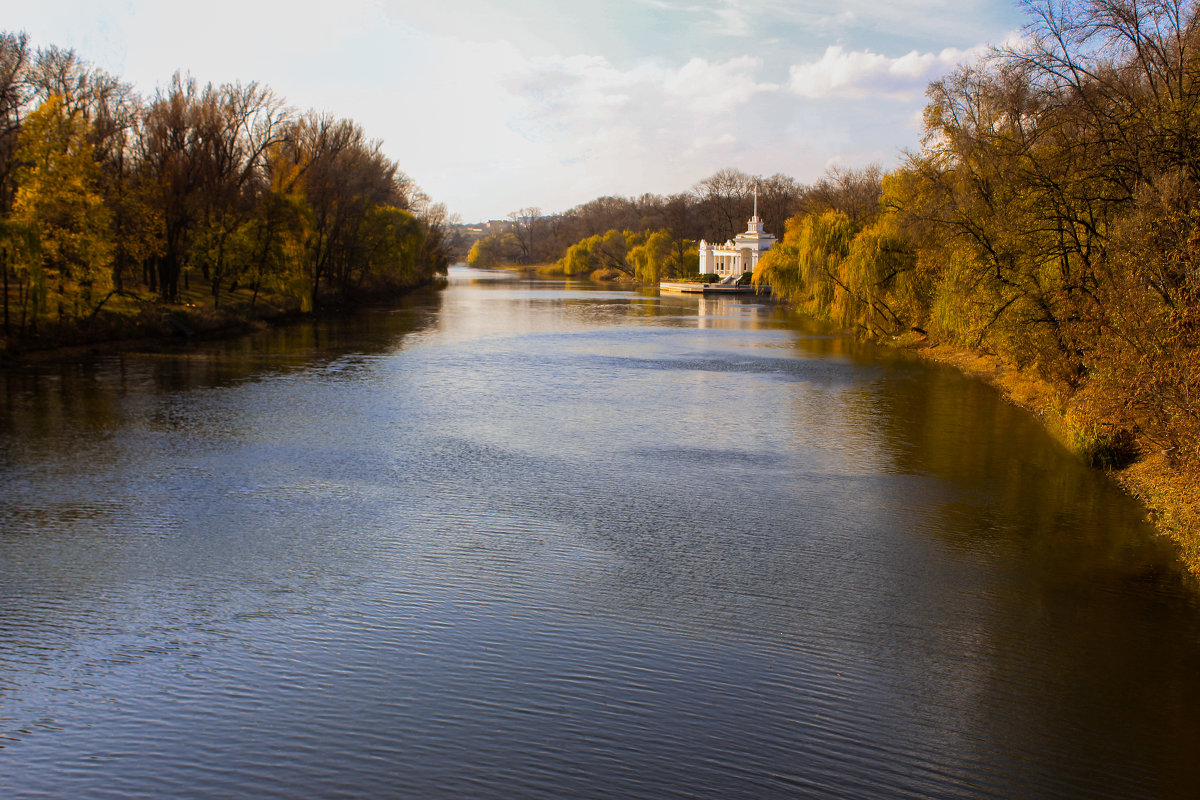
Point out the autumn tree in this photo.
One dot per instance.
(16, 238)
(59, 197)
(493, 250)
(173, 159)
(606, 251)
(437, 243)
(241, 123)
(660, 256)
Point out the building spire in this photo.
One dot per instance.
(756, 202)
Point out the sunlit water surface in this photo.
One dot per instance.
(531, 539)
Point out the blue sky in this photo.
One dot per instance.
(496, 106)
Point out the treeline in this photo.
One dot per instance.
(653, 236)
(601, 233)
(1051, 217)
(647, 256)
(107, 195)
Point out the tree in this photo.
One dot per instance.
(609, 250)
(437, 244)
(15, 92)
(100, 191)
(524, 226)
(854, 192)
(661, 256)
(19, 249)
(392, 239)
(58, 195)
(726, 199)
(342, 177)
(806, 266)
(173, 158)
(488, 251)
(778, 199)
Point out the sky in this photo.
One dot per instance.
(492, 107)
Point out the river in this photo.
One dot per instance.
(539, 539)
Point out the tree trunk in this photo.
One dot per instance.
(22, 298)
(7, 330)
(168, 278)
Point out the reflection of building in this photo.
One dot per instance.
(741, 253)
(731, 312)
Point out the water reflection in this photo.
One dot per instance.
(732, 313)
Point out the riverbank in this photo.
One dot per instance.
(1169, 494)
(604, 274)
(138, 320)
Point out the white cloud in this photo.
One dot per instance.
(716, 87)
(588, 100)
(862, 73)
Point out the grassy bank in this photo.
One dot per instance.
(138, 319)
(609, 274)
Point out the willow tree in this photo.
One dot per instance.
(493, 250)
(609, 250)
(392, 240)
(805, 267)
(662, 255)
(342, 177)
(882, 286)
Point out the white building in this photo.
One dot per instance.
(739, 254)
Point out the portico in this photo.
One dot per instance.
(739, 254)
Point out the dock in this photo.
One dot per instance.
(692, 287)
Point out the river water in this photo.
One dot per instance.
(528, 538)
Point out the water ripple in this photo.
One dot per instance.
(536, 540)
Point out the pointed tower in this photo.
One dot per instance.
(741, 254)
(756, 224)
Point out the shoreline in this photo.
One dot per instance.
(1166, 493)
(165, 326)
(178, 325)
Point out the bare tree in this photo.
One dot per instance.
(524, 227)
(778, 199)
(15, 93)
(726, 199)
(854, 192)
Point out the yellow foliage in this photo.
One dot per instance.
(58, 196)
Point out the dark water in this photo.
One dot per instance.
(534, 539)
